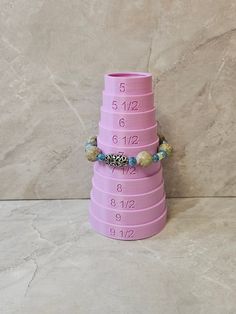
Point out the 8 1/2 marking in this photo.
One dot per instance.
(128, 204)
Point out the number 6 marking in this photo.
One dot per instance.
(115, 139)
(122, 122)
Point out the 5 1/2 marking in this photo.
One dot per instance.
(125, 105)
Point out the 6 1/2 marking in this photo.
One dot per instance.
(126, 140)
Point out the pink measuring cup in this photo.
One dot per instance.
(128, 203)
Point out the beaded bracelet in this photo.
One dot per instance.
(143, 158)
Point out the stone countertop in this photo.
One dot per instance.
(52, 262)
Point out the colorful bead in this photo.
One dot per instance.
(101, 157)
(92, 152)
(87, 145)
(155, 157)
(144, 159)
(116, 160)
(92, 140)
(132, 161)
(166, 148)
(162, 155)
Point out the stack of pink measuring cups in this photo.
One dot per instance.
(128, 203)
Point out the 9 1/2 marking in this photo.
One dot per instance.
(126, 234)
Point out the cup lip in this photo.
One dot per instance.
(92, 198)
(105, 93)
(127, 75)
(130, 226)
(161, 185)
(126, 130)
(142, 147)
(104, 109)
(132, 180)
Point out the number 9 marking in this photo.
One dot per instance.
(118, 217)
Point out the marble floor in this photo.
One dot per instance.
(51, 262)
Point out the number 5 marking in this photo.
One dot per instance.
(122, 87)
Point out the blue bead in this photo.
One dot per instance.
(101, 157)
(132, 161)
(164, 153)
(155, 157)
(87, 145)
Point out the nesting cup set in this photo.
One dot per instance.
(128, 202)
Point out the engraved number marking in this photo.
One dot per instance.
(123, 203)
(119, 187)
(122, 122)
(125, 105)
(129, 233)
(118, 217)
(122, 87)
(125, 170)
(126, 140)
(114, 105)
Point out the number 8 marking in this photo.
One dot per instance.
(119, 188)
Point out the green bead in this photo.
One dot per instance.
(92, 153)
(144, 159)
(166, 148)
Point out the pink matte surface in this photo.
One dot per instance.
(126, 103)
(127, 217)
(128, 121)
(127, 172)
(129, 151)
(127, 232)
(140, 200)
(128, 138)
(128, 203)
(136, 83)
(129, 186)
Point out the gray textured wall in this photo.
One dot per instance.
(53, 55)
